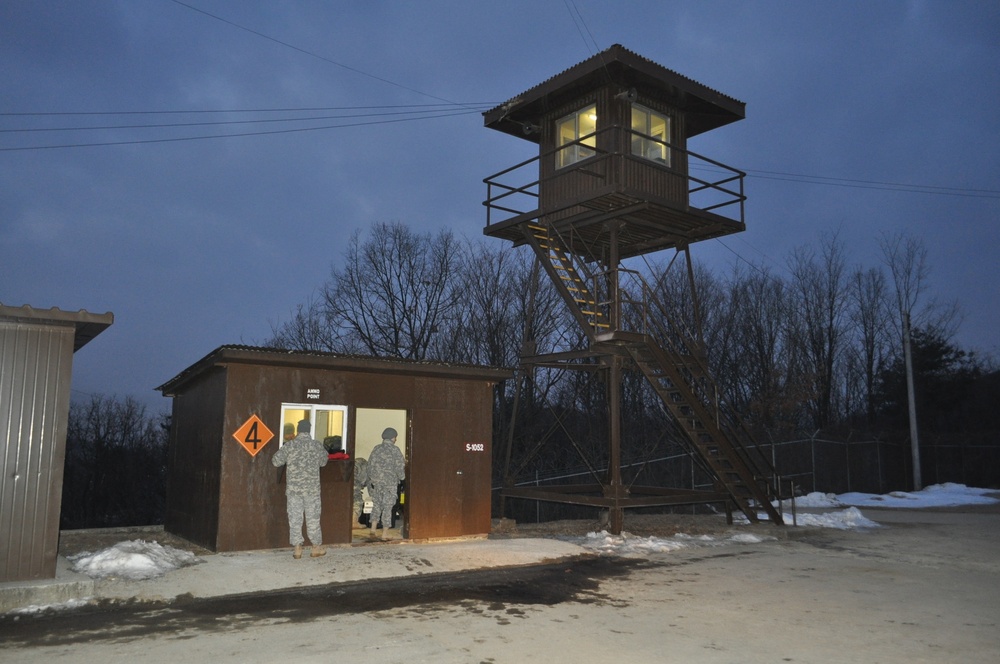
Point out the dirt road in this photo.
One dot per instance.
(923, 588)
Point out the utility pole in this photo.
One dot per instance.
(911, 402)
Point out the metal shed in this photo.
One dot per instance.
(230, 409)
(36, 364)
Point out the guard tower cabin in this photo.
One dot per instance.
(612, 134)
(614, 179)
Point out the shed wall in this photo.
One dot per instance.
(444, 414)
(35, 375)
(193, 460)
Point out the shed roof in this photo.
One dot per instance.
(277, 357)
(704, 107)
(87, 325)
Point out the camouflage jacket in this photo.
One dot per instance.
(360, 473)
(386, 466)
(303, 456)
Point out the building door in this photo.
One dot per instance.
(449, 476)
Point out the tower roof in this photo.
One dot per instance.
(704, 108)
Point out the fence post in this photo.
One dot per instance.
(847, 455)
(878, 459)
(812, 450)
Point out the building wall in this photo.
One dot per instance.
(448, 487)
(35, 374)
(193, 460)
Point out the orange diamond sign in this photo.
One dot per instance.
(253, 435)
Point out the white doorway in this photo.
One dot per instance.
(369, 423)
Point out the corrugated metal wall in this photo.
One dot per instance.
(35, 373)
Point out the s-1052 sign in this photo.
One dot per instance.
(475, 447)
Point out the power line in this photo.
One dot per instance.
(307, 109)
(854, 183)
(582, 26)
(873, 184)
(419, 114)
(427, 112)
(235, 135)
(309, 53)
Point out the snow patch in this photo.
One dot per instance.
(135, 560)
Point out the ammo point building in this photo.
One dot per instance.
(230, 410)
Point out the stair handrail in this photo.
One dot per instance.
(699, 379)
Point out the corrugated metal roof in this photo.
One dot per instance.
(88, 325)
(322, 359)
(618, 65)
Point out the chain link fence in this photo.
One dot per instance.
(818, 463)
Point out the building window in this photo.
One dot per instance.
(573, 128)
(329, 423)
(651, 134)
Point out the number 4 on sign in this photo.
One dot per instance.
(253, 435)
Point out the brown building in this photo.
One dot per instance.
(36, 366)
(231, 407)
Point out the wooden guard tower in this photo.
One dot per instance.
(614, 179)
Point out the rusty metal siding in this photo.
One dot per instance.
(193, 460)
(35, 374)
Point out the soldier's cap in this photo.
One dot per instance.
(389, 434)
(304, 426)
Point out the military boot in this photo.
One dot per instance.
(297, 553)
(317, 551)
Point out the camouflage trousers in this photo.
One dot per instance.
(308, 505)
(359, 508)
(383, 500)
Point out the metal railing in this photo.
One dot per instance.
(514, 191)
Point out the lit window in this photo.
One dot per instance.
(328, 423)
(651, 134)
(571, 129)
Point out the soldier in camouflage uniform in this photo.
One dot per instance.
(386, 469)
(360, 482)
(303, 456)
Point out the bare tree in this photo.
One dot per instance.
(906, 258)
(487, 328)
(393, 290)
(819, 317)
(870, 316)
(760, 306)
(308, 329)
(115, 471)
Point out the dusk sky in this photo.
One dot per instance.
(155, 163)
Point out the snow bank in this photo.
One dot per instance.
(135, 560)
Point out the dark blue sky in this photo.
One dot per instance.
(197, 243)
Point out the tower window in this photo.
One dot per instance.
(651, 134)
(569, 132)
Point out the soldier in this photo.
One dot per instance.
(386, 469)
(303, 456)
(360, 482)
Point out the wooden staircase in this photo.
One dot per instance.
(573, 287)
(670, 361)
